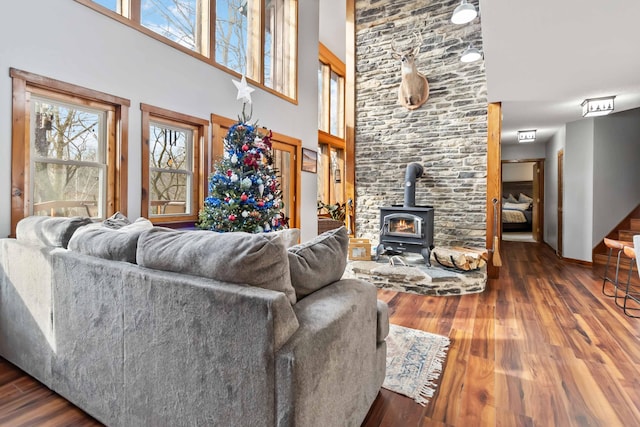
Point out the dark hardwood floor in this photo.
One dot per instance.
(540, 347)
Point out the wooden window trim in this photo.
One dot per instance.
(329, 58)
(24, 82)
(133, 21)
(332, 64)
(200, 164)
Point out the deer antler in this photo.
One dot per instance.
(417, 36)
(394, 47)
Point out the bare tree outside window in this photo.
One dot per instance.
(231, 33)
(171, 176)
(177, 20)
(68, 158)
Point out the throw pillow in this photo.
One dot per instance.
(243, 258)
(318, 262)
(119, 244)
(49, 231)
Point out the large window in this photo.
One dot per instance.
(257, 38)
(173, 165)
(331, 128)
(67, 145)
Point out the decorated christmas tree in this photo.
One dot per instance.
(244, 192)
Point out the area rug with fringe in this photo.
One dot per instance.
(414, 362)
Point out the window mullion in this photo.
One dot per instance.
(205, 27)
(254, 36)
(134, 9)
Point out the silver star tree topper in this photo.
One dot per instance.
(244, 91)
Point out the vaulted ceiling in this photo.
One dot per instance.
(544, 57)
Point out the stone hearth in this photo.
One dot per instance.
(416, 277)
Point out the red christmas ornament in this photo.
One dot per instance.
(232, 217)
(226, 199)
(244, 197)
(245, 147)
(260, 203)
(229, 172)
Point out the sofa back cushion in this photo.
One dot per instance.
(48, 230)
(116, 244)
(252, 259)
(318, 262)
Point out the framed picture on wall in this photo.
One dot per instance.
(309, 160)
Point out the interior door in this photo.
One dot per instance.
(285, 164)
(560, 198)
(538, 200)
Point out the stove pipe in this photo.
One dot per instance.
(414, 170)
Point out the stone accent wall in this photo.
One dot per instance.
(447, 135)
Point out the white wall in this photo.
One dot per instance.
(616, 175)
(517, 172)
(333, 26)
(555, 144)
(522, 151)
(67, 41)
(577, 203)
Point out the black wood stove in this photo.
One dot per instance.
(407, 227)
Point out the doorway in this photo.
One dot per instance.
(523, 200)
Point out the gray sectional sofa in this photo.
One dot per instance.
(146, 326)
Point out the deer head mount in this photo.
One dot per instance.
(414, 87)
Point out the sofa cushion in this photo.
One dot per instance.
(318, 262)
(117, 244)
(49, 231)
(238, 257)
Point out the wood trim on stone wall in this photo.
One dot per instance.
(494, 179)
(350, 112)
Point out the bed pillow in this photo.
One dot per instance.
(509, 199)
(523, 198)
(518, 206)
(249, 259)
(49, 231)
(318, 262)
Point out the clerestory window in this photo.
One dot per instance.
(331, 128)
(257, 38)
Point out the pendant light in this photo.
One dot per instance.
(464, 13)
(470, 55)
